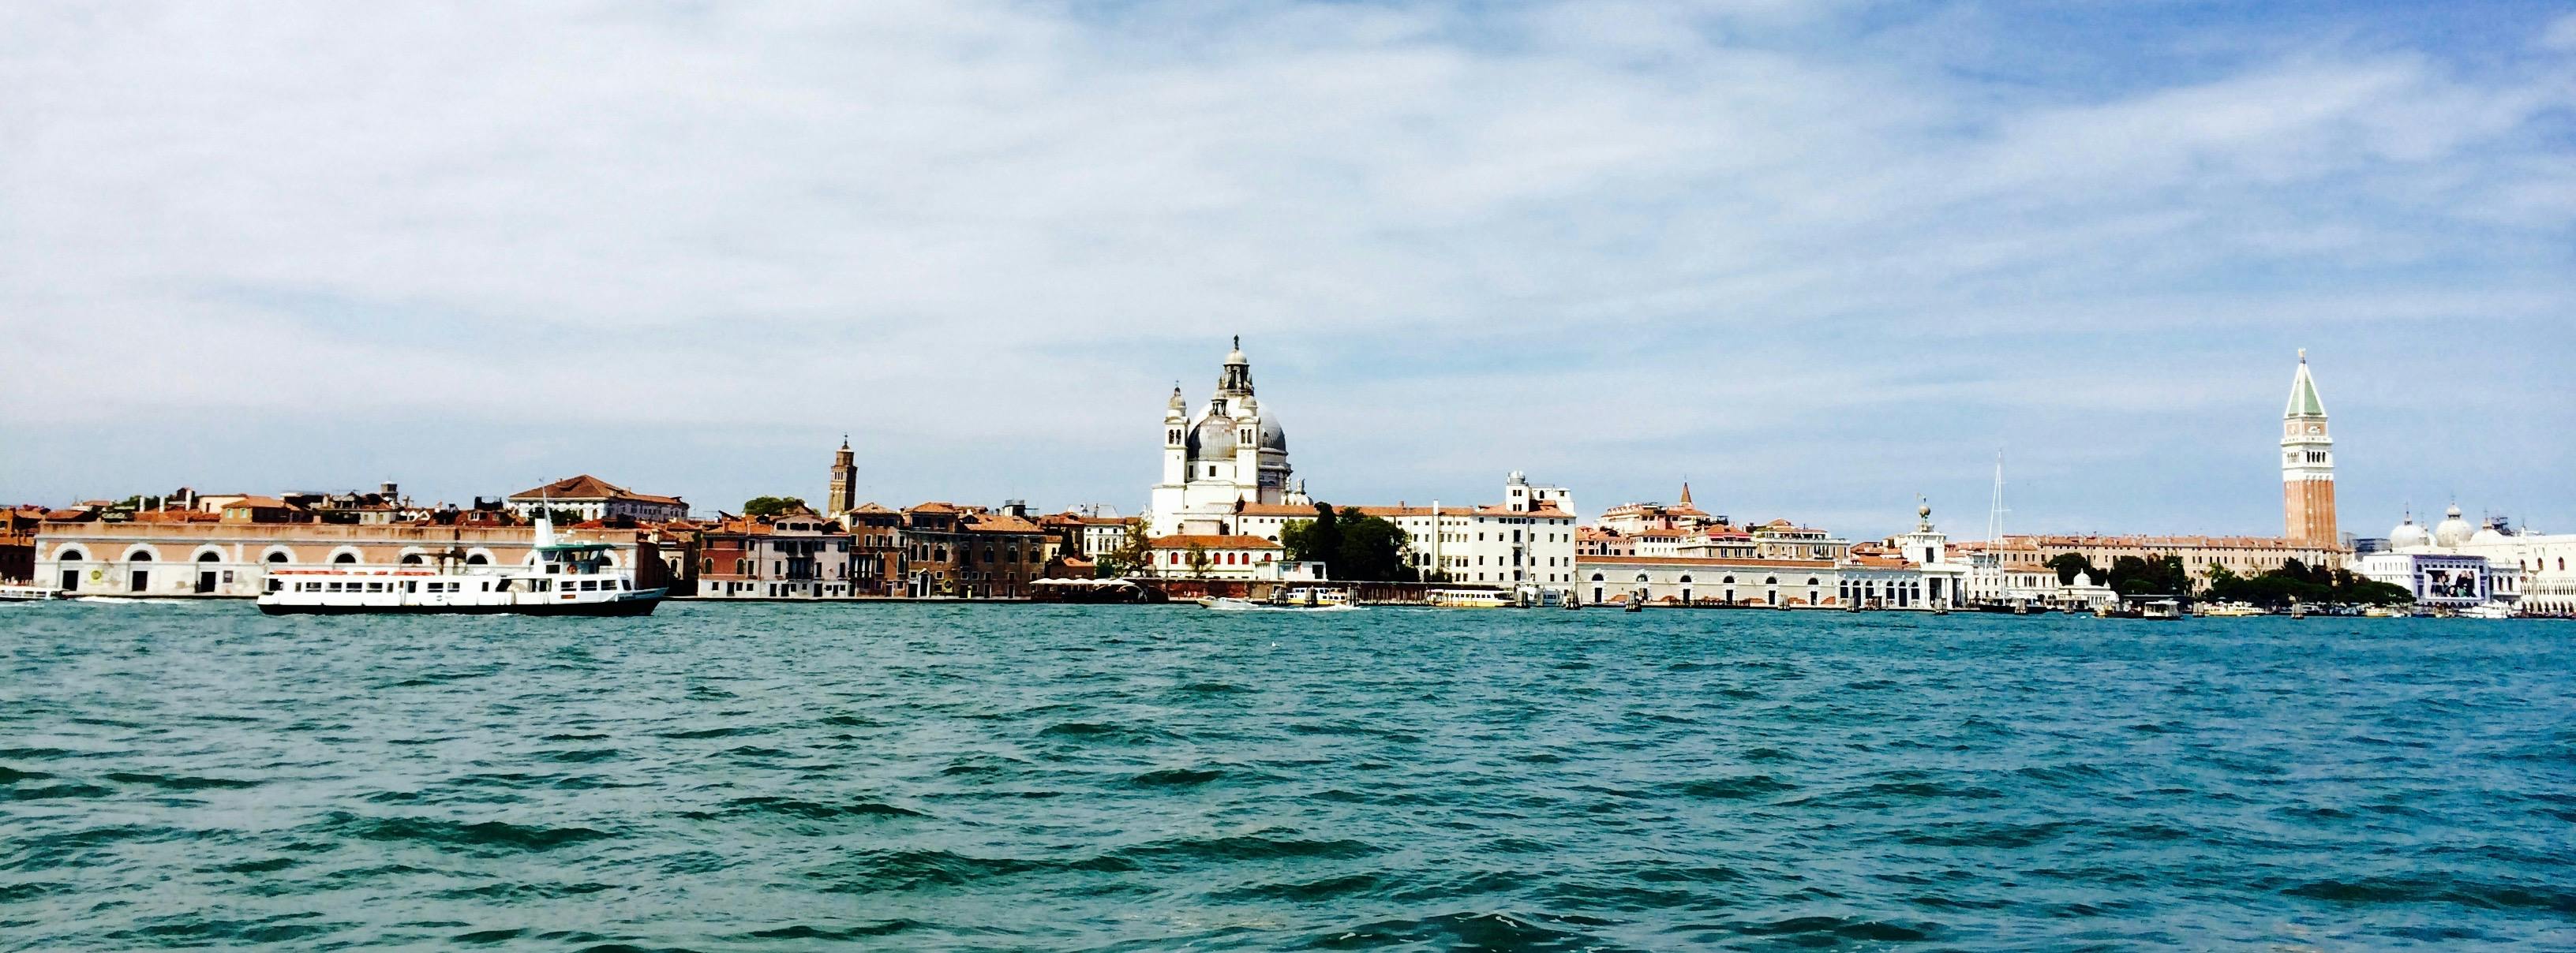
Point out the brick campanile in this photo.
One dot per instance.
(2307, 465)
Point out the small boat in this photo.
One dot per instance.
(2381, 612)
(1636, 603)
(2487, 610)
(2230, 610)
(22, 593)
(2298, 611)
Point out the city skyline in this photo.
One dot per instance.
(1781, 250)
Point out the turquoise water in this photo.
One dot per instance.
(782, 777)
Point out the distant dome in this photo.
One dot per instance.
(2083, 579)
(1272, 438)
(2407, 535)
(2488, 534)
(2453, 530)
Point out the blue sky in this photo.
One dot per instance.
(1817, 256)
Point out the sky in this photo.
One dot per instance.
(1815, 256)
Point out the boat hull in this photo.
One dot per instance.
(626, 608)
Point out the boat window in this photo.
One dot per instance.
(335, 587)
(410, 586)
(375, 587)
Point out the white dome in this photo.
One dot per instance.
(2407, 535)
(2453, 530)
(2488, 534)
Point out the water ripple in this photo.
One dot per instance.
(788, 777)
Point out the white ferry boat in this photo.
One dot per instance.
(11, 592)
(568, 579)
(1469, 599)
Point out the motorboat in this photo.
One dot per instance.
(2231, 610)
(2486, 610)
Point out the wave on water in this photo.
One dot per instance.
(477, 836)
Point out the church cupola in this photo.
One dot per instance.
(1236, 380)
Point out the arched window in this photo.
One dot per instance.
(344, 559)
(478, 559)
(208, 558)
(276, 558)
(1596, 577)
(411, 560)
(71, 555)
(138, 557)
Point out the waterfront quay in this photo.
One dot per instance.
(1230, 516)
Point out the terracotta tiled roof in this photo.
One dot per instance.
(932, 507)
(1210, 541)
(1274, 509)
(869, 507)
(262, 503)
(587, 487)
(999, 523)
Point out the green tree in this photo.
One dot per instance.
(1372, 549)
(1133, 557)
(1198, 560)
(771, 505)
(1315, 540)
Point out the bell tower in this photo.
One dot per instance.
(2307, 465)
(844, 496)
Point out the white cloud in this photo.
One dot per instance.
(897, 216)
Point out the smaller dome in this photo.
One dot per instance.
(2488, 534)
(2083, 578)
(2407, 535)
(2453, 530)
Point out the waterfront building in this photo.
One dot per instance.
(1227, 556)
(1230, 451)
(595, 499)
(1005, 551)
(1603, 541)
(972, 551)
(2005, 572)
(1686, 581)
(2307, 466)
(795, 555)
(18, 543)
(1523, 541)
(1782, 539)
(1636, 519)
(1089, 532)
(2242, 555)
(2443, 580)
(876, 550)
(193, 553)
(2532, 571)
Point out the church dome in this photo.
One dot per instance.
(2488, 534)
(1212, 439)
(1273, 438)
(2407, 535)
(2453, 530)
